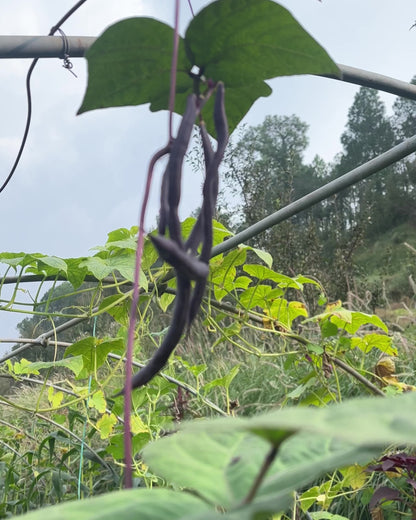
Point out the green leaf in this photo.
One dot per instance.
(245, 41)
(379, 341)
(97, 401)
(122, 262)
(55, 398)
(129, 64)
(238, 101)
(324, 515)
(259, 296)
(125, 264)
(106, 424)
(74, 364)
(150, 255)
(328, 328)
(371, 421)
(264, 273)
(94, 351)
(223, 272)
(117, 306)
(222, 467)
(224, 381)
(358, 319)
(146, 504)
(165, 300)
(18, 259)
(242, 282)
(240, 42)
(303, 279)
(219, 232)
(286, 312)
(121, 234)
(96, 266)
(348, 320)
(57, 264)
(263, 255)
(196, 370)
(76, 274)
(22, 367)
(205, 460)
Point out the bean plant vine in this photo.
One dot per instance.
(234, 468)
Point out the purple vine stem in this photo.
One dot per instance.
(173, 68)
(128, 459)
(128, 480)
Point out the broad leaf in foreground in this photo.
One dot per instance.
(221, 467)
(144, 504)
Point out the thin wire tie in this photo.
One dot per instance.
(67, 62)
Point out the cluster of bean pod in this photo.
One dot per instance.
(183, 256)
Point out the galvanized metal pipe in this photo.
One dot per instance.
(369, 79)
(12, 47)
(375, 165)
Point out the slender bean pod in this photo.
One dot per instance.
(161, 356)
(210, 193)
(175, 167)
(187, 265)
(196, 235)
(183, 257)
(171, 182)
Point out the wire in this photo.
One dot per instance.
(191, 9)
(54, 29)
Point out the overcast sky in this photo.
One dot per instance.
(82, 176)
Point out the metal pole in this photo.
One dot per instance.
(52, 47)
(380, 162)
(369, 79)
(43, 46)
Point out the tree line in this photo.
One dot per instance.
(266, 171)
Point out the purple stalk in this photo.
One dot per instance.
(173, 68)
(128, 475)
(128, 479)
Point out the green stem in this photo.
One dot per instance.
(260, 477)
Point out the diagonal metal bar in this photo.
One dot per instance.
(367, 169)
(43, 339)
(365, 78)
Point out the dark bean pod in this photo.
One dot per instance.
(175, 331)
(210, 193)
(182, 257)
(187, 265)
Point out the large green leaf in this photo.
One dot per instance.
(371, 421)
(129, 64)
(75, 364)
(242, 42)
(143, 504)
(52, 265)
(239, 42)
(221, 467)
(93, 351)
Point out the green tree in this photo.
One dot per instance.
(404, 123)
(265, 172)
(404, 116)
(368, 133)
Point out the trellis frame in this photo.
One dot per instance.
(20, 47)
